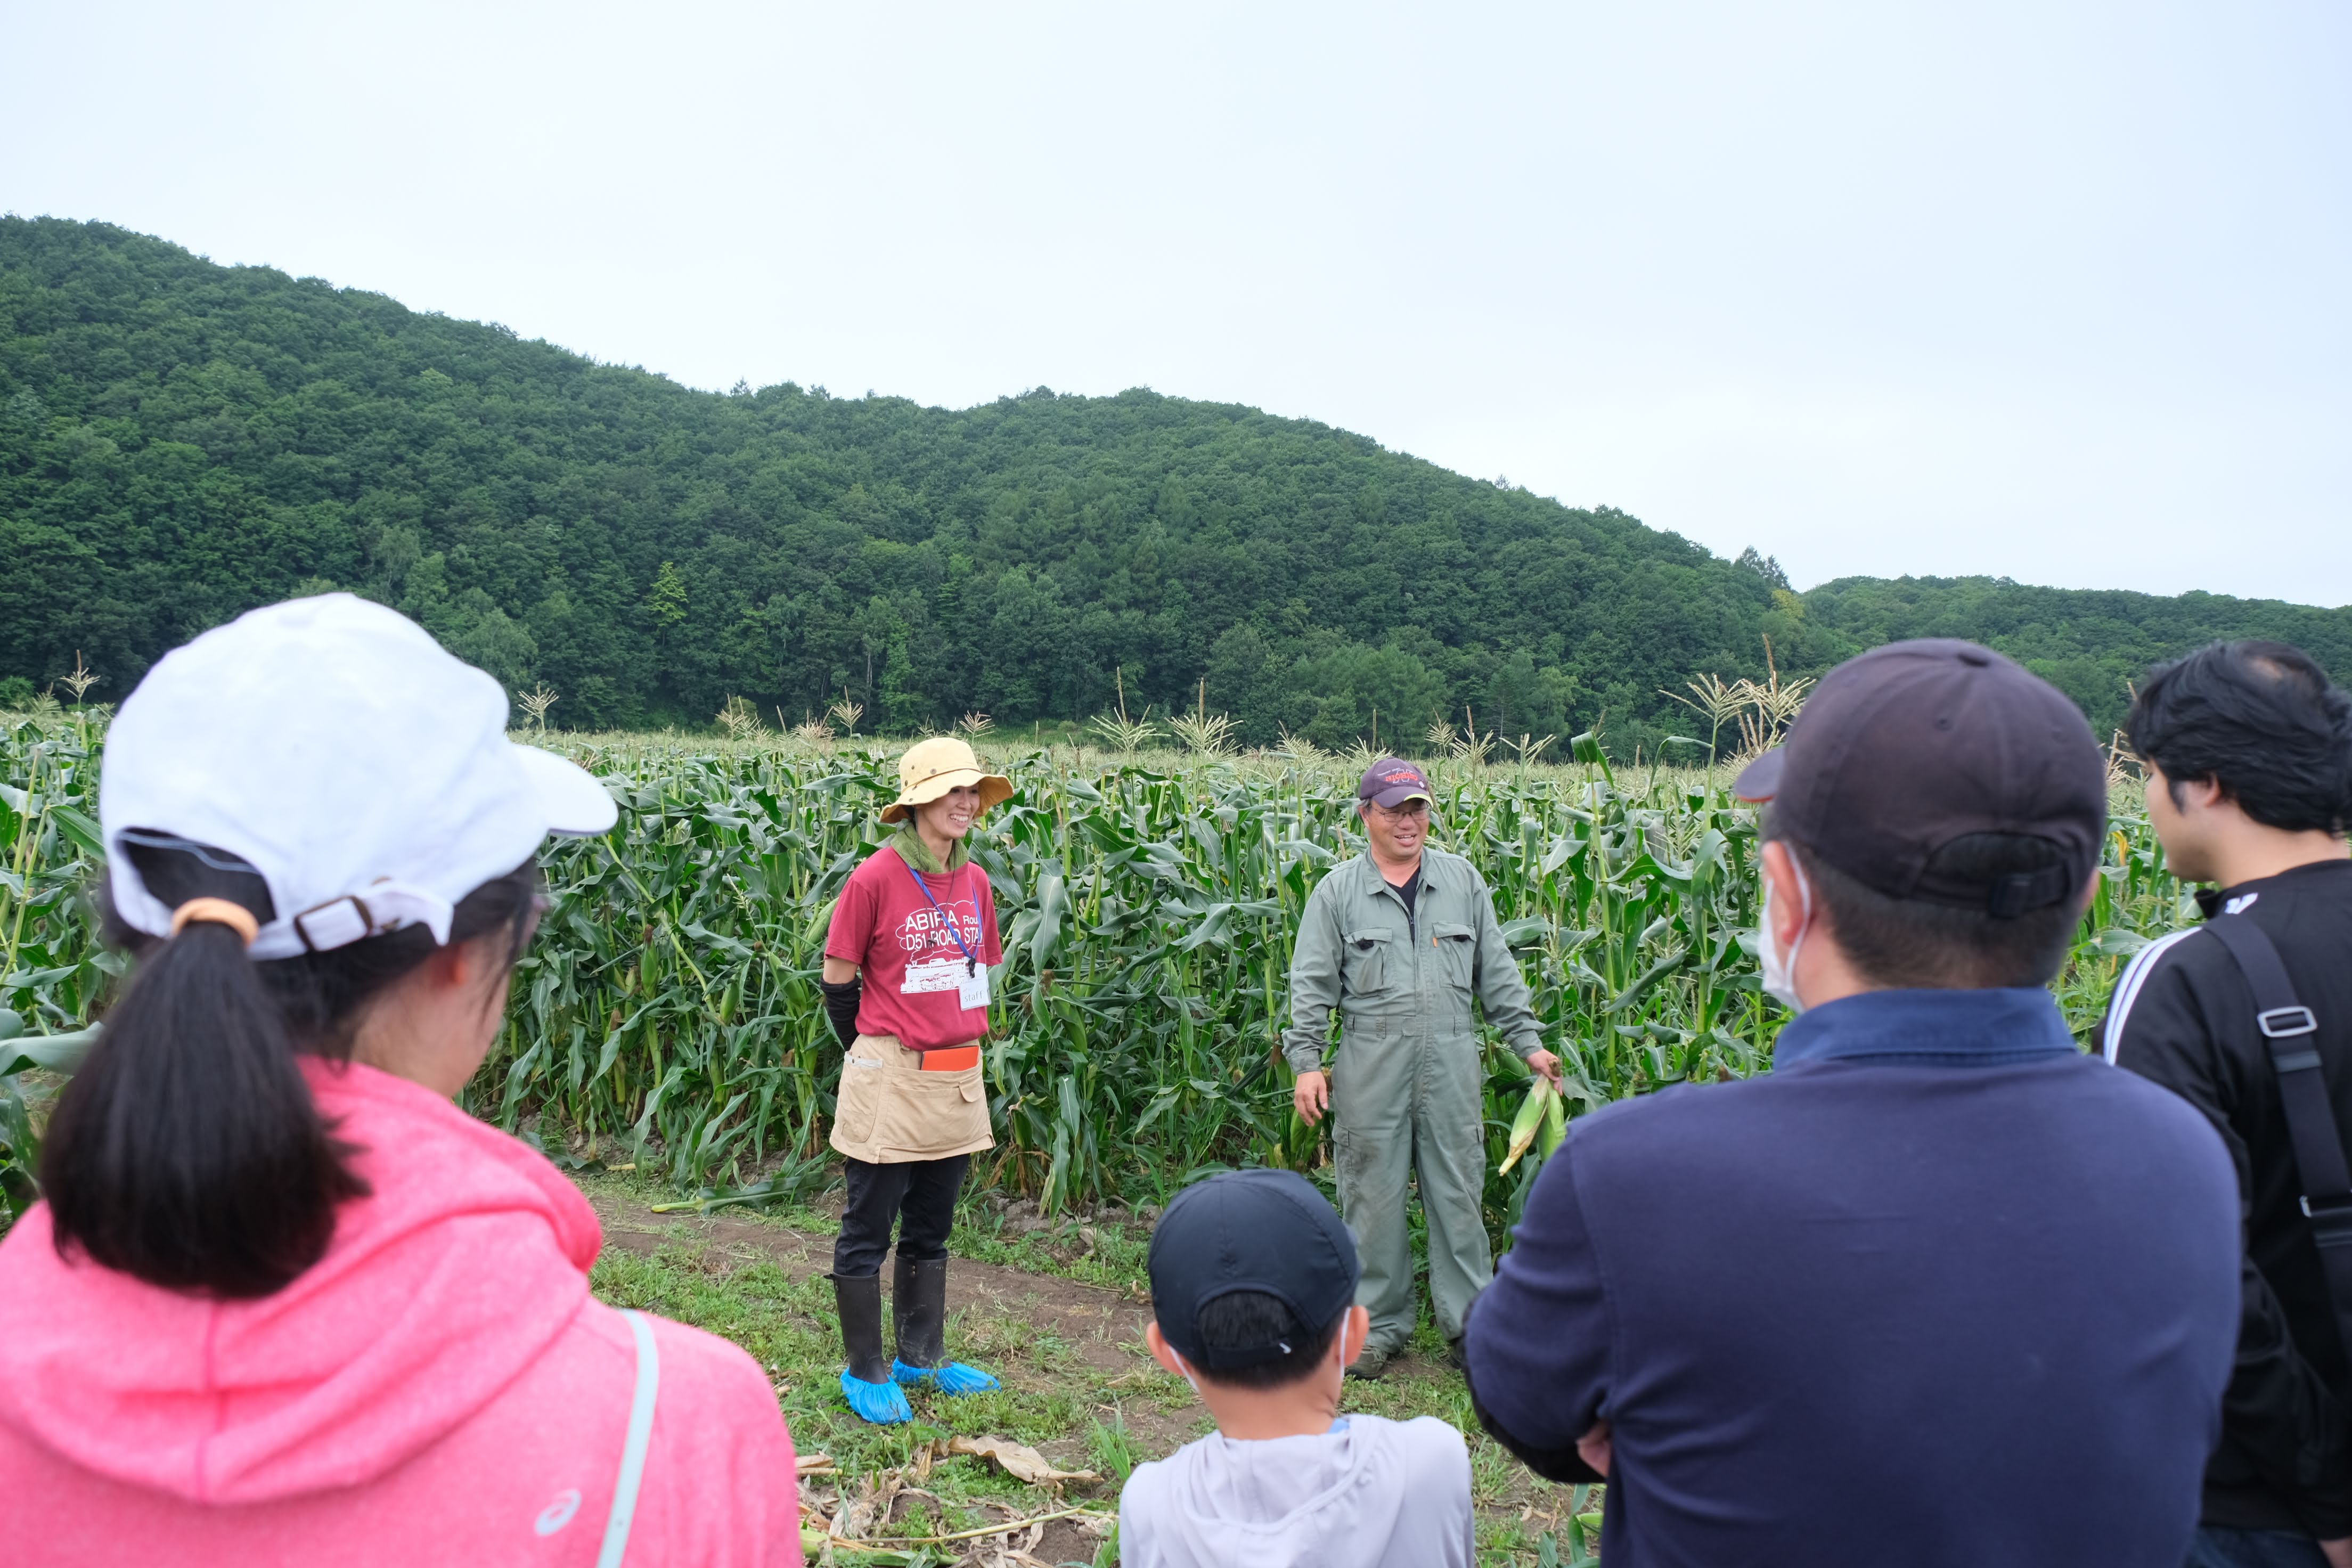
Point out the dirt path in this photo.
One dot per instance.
(1096, 1321)
(1102, 1328)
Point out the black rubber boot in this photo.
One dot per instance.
(918, 1309)
(859, 1303)
(919, 1313)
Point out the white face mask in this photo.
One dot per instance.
(1780, 968)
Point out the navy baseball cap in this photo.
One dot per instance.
(1268, 1231)
(1905, 748)
(1391, 781)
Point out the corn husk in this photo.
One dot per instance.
(1530, 1119)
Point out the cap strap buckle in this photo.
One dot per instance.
(335, 926)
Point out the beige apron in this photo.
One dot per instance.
(890, 1111)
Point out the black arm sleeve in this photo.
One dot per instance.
(841, 1006)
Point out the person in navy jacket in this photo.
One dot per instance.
(1937, 1289)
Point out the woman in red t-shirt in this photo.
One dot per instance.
(906, 983)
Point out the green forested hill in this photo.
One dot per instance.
(180, 441)
(2090, 643)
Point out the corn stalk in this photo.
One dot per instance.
(669, 1011)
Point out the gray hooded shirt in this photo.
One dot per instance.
(1370, 1493)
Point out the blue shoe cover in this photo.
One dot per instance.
(881, 1404)
(954, 1377)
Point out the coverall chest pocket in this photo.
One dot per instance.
(1365, 961)
(1458, 952)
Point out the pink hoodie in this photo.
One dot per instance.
(440, 1388)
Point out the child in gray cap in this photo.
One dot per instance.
(1252, 1285)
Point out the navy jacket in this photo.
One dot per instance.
(1939, 1289)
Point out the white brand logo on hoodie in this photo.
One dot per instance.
(558, 1514)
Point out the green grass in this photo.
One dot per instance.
(788, 1327)
(1081, 1415)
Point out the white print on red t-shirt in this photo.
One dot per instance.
(924, 930)
(934, 962)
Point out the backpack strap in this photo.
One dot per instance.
(632, 1449)
(2289, 1030)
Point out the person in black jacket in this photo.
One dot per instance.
(2248, 749)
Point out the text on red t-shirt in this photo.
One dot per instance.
(907, 954)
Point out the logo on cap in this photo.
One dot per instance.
(1391, 781)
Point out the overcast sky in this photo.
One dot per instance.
(2059, 292)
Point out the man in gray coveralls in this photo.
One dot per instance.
(1400, 940)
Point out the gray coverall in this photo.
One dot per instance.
(1406, 1081)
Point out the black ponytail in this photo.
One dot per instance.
(187, 1151)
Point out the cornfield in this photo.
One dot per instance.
(668, 1014)
(54, 973)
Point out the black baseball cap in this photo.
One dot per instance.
(1905, 748)
(1391, 781)
(1248, 1230)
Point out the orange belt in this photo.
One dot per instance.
(954, 1059)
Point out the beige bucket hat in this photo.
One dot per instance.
(932, 768)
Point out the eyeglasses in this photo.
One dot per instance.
(1410, 808)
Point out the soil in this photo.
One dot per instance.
(1103, 1327)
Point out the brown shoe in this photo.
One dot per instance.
(1370, 1363)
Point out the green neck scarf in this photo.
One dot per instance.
(916, 853)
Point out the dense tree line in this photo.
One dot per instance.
(2092, 643)
(180, 441)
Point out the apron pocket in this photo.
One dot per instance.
(929, 1114)
(860, 1098)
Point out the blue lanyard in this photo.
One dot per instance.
(970, 959)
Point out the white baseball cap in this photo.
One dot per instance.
(361, 769)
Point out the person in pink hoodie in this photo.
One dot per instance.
(283, 1302)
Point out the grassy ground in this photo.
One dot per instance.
(1055, 1310)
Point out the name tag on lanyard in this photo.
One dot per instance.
(969, 980)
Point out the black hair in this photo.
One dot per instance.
(187, 1151)
(1240, 1319)
(1917, 942)
(2260, 718)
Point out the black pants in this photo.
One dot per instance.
(917, 1195)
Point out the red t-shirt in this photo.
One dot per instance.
(908, 958)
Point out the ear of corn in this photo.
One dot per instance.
(1529, 1120)
(668, 1013)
